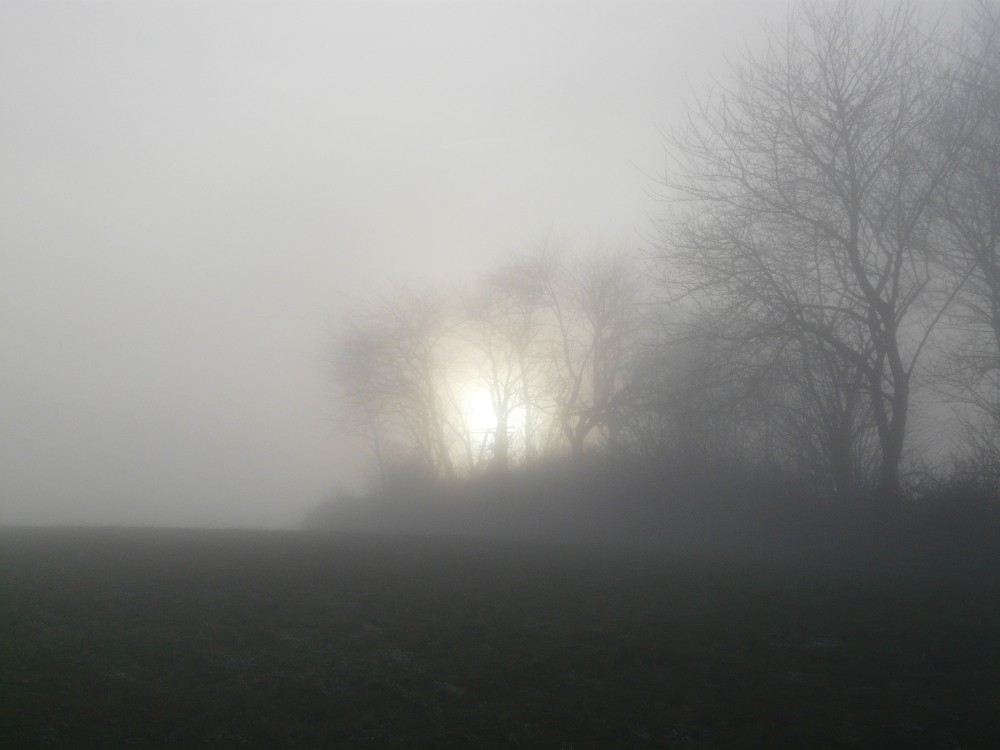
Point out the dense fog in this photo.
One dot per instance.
(201, 212)
(191, 195)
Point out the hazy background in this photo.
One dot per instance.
(191, 192)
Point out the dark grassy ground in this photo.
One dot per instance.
(118, 638)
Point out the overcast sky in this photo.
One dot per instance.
(190, 192)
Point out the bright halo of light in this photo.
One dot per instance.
(478, 409)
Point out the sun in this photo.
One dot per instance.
(477, 408)
(483, 427)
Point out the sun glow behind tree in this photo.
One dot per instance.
(527, 364)
(477, 408)
(479, 415)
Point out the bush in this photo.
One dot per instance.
(959, 506)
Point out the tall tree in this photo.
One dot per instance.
(805, 190)
(969, 208)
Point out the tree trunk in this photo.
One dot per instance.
(888, 491)
(501, 447)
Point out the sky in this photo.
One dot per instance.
(192, 193)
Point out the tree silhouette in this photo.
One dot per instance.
(807, 189)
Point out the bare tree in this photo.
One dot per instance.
(969, 208)
(596, 320)
(388, 368)
(362, 376)
(504, 319)
(691, 399)
(805, 191)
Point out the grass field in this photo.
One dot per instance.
(131, 638)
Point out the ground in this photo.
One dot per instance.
(132, 638)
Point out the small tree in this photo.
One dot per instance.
(388, 369)
(504, 320)
(597, 324)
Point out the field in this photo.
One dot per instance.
(133, 638)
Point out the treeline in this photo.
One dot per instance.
(826, 257)
(539, 358)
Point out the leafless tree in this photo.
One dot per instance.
(388, 369)
(596, 319)
(362, 380)
(504, 322)
(803, 203)
(969, 208)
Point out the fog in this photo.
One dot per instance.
(191, 193)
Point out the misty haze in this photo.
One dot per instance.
(500, 374)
